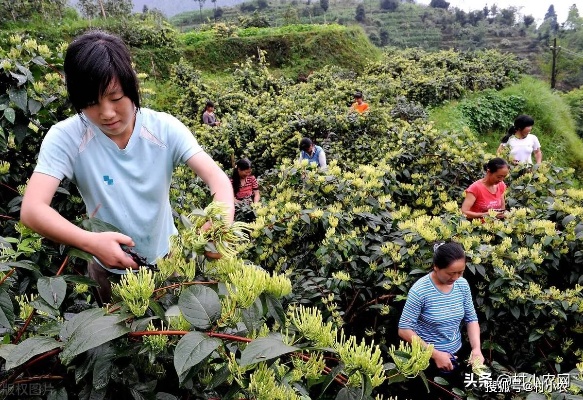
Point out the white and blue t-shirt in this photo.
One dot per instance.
(128, 188)
(436, 316)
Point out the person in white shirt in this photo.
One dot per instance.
(522, 143)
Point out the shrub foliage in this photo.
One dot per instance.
(308, 308)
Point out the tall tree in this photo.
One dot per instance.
(507, 16)
(528, 20)
(324, 5)
(551, 18)
(439, 4)
(89, 8)
(200, 6)
(574, 21)
(390, 5)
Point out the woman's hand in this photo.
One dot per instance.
(477, 356)
(442, 360)
(106, 247)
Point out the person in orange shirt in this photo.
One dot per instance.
(359, 105)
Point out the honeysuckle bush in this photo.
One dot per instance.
(263, 116)
(353, 245)
(211, 329)
(333, 252)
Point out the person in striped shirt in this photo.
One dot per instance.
(438, 303)
(245, 186)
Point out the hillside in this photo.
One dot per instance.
(173, 7)
(414, 25)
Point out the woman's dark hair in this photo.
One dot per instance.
(305, 144)
(242, 165)
(521, 122)
(446, 253)
(495, 164)
(209, 104)
(93, 60)
(357, 95)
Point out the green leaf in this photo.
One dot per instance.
(191, 350)
(52, 290)
(350, 393)
(78, 320)
(28, 349)
(251, 316)
(165, 396)
(97, 225)
(275, 309)
(21, 131)
(6, 349)
(536, 396)
(79, 279)
(6, 310)
(534, 335)
(41, 305)
(19, 77)
(57, 394)
(28, 265)
(219, 377)
(200, 306)
(329, 378)
(10, 115)
(91, 334)
(34, 106)
(156, 308)
(515, 311)
(440, 380)
(83, 255)
(38, 60)
(102, 371)
(264, 348)
(458, 391)
(20, 98)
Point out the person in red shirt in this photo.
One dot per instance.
(487, 193)
(245, 185)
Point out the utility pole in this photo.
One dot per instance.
(555, 50)
(103, 9)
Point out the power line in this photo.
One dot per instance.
(572, 52)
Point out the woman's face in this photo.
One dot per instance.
(524, 131)
(454, 271)
(114, 113)
(498, 176)
(244, 173)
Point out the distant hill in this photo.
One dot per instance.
(173, 7)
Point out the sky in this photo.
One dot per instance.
(536, 8)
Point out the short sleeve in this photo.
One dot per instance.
(254, 184)
(57, 154)
(183, 143)
(469, 310)
(322, 158)
(535, 143)
(473, 190)
(411, 311)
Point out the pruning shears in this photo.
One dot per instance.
(138, 259)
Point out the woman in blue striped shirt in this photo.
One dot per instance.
(436, 305)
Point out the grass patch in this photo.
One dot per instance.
(295, 48)
(554, 124)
